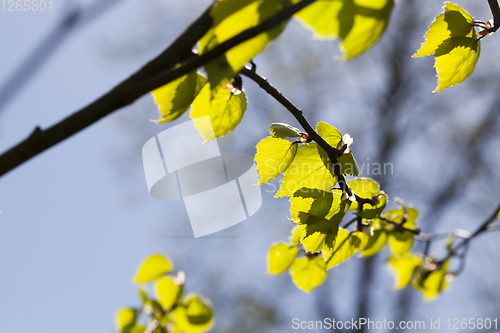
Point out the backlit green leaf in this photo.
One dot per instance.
(348, 165)
(331, 135)
(152, 268)
(306, 171)
(168, 292)
(398, 214)
(320, 237)
(231, 18)
(456, 59)
(311, 205)
(453, 41)
(431, 283)
(126, 321)
(194, 315)
(281, 130)
(143, 295)
(358, 23)
(273, 157)
(296, 234)
(308, 272)
(346, 245)
(375, 243)
(225, 110)
(334, 138)
(322, 212)
(454, 22)
(401, 242)
(125, 318)
(403, 266)
(364, 187)
(369, 189)
(281, 256)
(174, 98)
(222, 9)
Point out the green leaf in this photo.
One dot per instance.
(368, 188)
(346, 246)
(168, 292)
(174, 98)
(225, 110)
(431, 283)
(453, 41)
(143, 295)
(454, 22)
(311, 205)
(281, 256)
(320, 237)
(398, 214)
(348, 165)
(333, 137)
(308, 272)
(329, 133)
(322, 217)
(195, 315)
(375, 243)
(401, 242)
(222, 9)
(231, 19)
(358, 23)
(126, 321)
(281, 130)
(125, 317)
(296, 234)
(273, 157)
(152, 268)
(306, 171)
(403, 267)
(456, 59)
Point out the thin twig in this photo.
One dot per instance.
(495, 10)
(482, 228)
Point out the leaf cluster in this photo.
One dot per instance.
(167, 309)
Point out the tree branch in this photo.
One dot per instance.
(333, 153)
(139, 84)
(495, 10)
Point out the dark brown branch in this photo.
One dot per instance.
(139, 84)
(495, 10)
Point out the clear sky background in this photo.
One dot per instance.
(77, 220)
